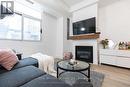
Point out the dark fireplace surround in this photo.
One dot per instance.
(84, 53)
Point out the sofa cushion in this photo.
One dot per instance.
(2, 70)
(20, 76)
(26, 62)
(8, 58)
(22, 63)
(46, 81)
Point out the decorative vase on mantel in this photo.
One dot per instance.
(105, 46)
(105, 43)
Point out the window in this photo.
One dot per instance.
(10, 27)
(25, 24)
(31, 29)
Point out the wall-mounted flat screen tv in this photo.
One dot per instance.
(87, 26)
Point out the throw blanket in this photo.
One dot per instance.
(46, 63)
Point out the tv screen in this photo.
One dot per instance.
(85, 27)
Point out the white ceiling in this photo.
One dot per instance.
(71, 2)
(55, 5)
(103, 3)
(60, 6)
(63, 6)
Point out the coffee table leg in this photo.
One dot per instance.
(89, 74)
(57, 72)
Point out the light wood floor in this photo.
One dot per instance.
(114, 76)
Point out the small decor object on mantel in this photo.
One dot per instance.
(128, 44)
(105, 43)
(123, 45)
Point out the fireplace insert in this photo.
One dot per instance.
(84, 53)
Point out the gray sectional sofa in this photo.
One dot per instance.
(26, 74)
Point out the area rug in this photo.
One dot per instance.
(72, 78)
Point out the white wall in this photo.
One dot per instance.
(85, 13)
(114, 21)
(49, 34)
(59, 46)
(82, 4)
(25, 47)
(63, 45)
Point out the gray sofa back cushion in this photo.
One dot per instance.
(22, 63)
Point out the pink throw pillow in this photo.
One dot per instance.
(68, 55)
(8, 58)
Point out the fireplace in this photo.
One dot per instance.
(84, 53)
